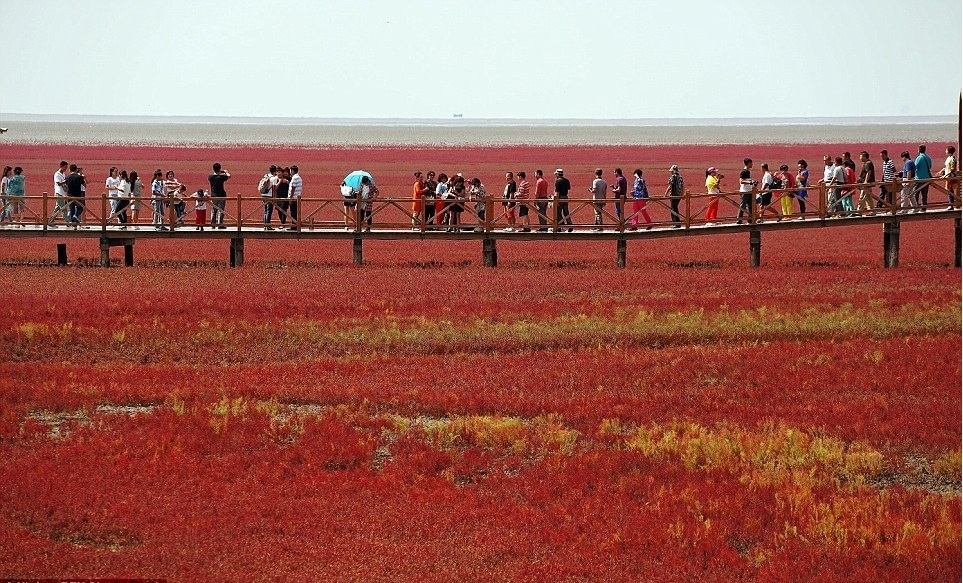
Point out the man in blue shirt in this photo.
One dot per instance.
(924, 166)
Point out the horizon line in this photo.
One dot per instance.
(461, 120)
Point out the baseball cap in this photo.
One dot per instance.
(674, 168)
(559, 171)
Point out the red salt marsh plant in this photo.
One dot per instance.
(522, 424)
(488, 497)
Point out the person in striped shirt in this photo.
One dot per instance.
(522, 194)
(295, 189)
(889, 172)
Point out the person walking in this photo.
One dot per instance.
(15, 193)
(479, 195)
(522, 194)
(508, 200)
(675, 191)
(598, 189)
(281, 194)
(802, 182)
(640, 198)
(924, 171)
(562, 188)
(136, 195)
(295, 191)
(541, 200)
(620, 189)
(789, 184)
(430, 185)
(267, 188)
(75, 194)
(418, 191)
(159, 200)
(114, 193)
(889, 174)
(123, 201)
(908, 174)
(746, 187)
(60, 194)
(867, 176)
(4, 184)
(950, 173)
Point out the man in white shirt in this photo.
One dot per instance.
(294, 196)
(598, 189)
(60, 194)
(114, 191)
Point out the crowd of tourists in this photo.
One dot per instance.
(524, 204)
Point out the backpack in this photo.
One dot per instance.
(776, 183)
(264, 186)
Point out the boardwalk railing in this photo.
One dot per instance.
(464, 217)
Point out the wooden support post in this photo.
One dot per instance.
(61, 254)
(620, 252)
(489, 252)
(755, 247)
(237, 251)
(358, 252)
(956, 242)
(891, 244)
(129, 254)
(104, 252)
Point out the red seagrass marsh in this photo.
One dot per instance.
(425, 418)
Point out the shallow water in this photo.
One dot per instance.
(463, 132)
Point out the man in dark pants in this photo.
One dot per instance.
(746, 185)
(74, 183)
(674, 191)
(541, 200)
(889, 171)
(562, 187)
(218, 194)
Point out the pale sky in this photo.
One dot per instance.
(604, 59)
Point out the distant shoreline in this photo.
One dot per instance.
(248, 132)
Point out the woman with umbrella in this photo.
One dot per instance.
(351, 189)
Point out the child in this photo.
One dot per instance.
(200, 208)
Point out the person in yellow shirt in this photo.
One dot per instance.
(713, 178)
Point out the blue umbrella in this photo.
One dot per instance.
(354, 179)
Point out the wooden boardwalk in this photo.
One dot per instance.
(325, 220)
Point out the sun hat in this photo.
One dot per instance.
(559, 171)
(712, 169)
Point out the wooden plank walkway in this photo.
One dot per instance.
(394, 224)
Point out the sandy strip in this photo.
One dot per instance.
(465, 134)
